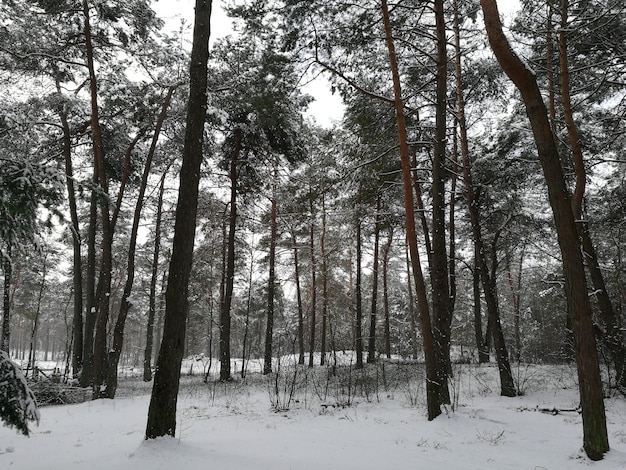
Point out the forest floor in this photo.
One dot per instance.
(304, 418)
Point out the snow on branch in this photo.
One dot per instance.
(17, 401)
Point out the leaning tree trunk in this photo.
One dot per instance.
(595, 438)
(612, 335)
(162, 410)
(430, 355)
(115, 350)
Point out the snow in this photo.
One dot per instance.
(233, 426)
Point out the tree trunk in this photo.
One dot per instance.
(7, 267)
(324, 284)
(430, 355)
(32, 353)
(549, 67)
(227, 298)
(515, 286)
(299, 299)
(442, 320)
(595, 438)
(271, 282)
(160, 311)
(452, 228)
(106, 261)
(612, 335)
(507, 385)
(371, 348)
(481, 344)
(386, 251)
(421, 212)
(125, 304)
(86, 376)
(162, 411)
(359, 299)
(411, 302)
(246, 323)
(77, 272)
(313, 283)
(147, 358)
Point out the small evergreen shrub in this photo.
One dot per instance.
(17, 401)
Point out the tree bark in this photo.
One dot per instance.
(229, 272)
(421, 212)
(324, 284)
(77, 271)
(507, 385)
(549, 67)
(595, 438)
(386, 252)
(103, 291)
(32, 352)
(481, 343)
(125, 303)
(86, 376)
(246, 323)
(430, 355)
(442, 320)
(411, 302)
(7, 267)
(452, 228)
(271, 282)
(371, 347)
(359, 298)
(294, 243)
(147, 358)
(515, 286)
(162, 411)
(612, 335)
(312, 318)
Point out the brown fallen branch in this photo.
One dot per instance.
(552, 411)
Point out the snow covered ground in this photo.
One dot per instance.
(370, 420)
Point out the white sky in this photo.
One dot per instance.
(327, 108)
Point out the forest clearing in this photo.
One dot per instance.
(166, 193)
(372, 418)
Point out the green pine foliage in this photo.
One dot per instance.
(17, 401)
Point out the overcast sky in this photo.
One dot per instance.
(327, 107)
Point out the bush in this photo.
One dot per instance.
(17, 401)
